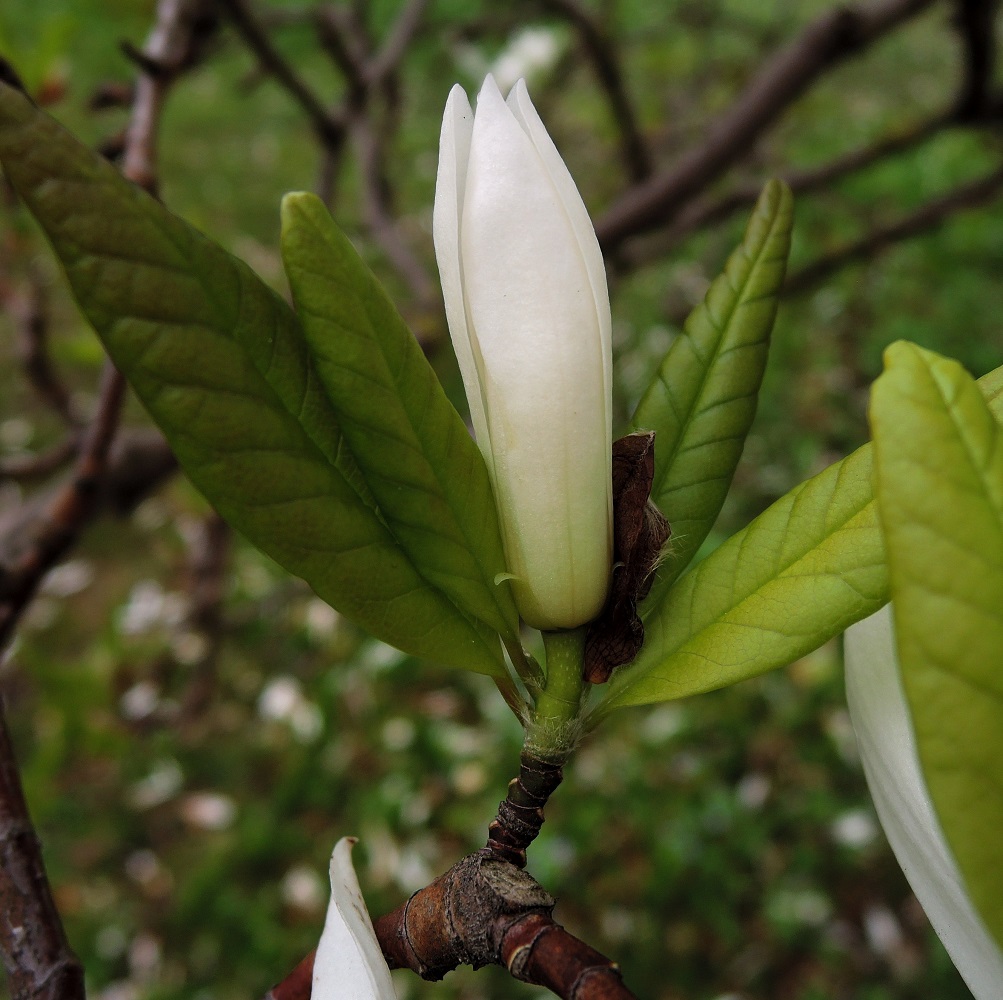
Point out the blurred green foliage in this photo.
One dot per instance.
(720, 847)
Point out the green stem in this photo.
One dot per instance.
(560, 700)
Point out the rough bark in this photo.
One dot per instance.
(39, 962)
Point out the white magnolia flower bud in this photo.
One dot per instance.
(883, 724)
(528, 311)
(349, 964)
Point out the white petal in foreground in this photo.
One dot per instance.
(349, 964)
(887, 745)
(528, 311)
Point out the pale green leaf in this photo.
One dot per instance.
(801, 572)
(702, 400)
(218, 360)
(417, 457)
(939, 463)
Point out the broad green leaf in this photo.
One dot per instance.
(939, 474)
(219, 361)
(991, 387)
(702, 400)
(415, 452)
(800, 573)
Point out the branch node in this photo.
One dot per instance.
(155, 68)
(520, 814)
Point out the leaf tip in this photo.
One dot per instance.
(775, 200)
(299, 203)
(900, 352)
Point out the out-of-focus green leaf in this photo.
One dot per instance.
(418, 459)
(702, 401)
(939, 474)
(991, 387)
(219, 361)
(800, 573)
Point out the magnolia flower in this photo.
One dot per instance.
(887, 745)
(528, 312)
(349, 964)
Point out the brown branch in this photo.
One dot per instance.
(485, 911)
(602, 54)
(345, 41)
(369, 145)
(39, 961)
(397, 41)
(830, 39)
(172, 47)
(329, 127)
(927, 217)
(344, 37)
(520, 813)
(28, 309)
(709, 212)
(327, 175)
(209, 553)
(140, 460)
(64, 517)
(537, 950)
(297, 985)
(975, 21)
(42, 465)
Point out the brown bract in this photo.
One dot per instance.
(639, 533)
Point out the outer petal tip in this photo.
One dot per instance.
(457, 103)
(349, 964)
(489, 86)
(883, 726)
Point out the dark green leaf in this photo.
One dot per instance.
(218, 360)
(415, 452)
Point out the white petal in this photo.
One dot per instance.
(349, 964)
(531, 313)
(524, 110)
(450, 184)
(887, 745)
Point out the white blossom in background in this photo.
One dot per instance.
(67, 579)
(529, 53)
(528, 310)
(283, 700)
(162, 783)
(303, 889)
(855, 829)
(349, 964)
(208, 810)
(888, 751)
(149, 607)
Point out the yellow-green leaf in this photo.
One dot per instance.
(703, 398)
(939, 473)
